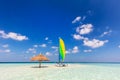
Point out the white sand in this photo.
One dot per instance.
(72, 72)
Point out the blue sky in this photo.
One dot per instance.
(89, 28)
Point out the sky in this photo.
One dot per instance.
(90, 30)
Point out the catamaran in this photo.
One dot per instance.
(62, 52)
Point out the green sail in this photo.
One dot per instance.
(62, 49)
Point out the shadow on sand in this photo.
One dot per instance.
(39, 67)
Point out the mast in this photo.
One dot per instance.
(61, 51)
(59, 59)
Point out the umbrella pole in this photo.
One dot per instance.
(40, 64)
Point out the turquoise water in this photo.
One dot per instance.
(74, 71)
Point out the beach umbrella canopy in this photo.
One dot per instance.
(39, 58)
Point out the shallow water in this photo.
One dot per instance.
(83, 71)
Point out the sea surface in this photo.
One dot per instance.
(74, 71)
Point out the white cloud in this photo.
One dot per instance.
(43, 45)
(12, 35)
(5, 45)
(35, 46)
(77, 19)
(48, 54)
(119, 46)
(68, 51)
(31, 50)
(54, 47)
(84, 29)
(105, 33)
(16, 36)
(5, 51)
(46, 38)
(79, 37)
(94, 43)
(3, 34)
(75, 49)
(89, 50)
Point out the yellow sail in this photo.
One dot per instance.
(62, 49)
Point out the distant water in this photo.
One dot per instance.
(74, 71)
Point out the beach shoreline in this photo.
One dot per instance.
(51, 72)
